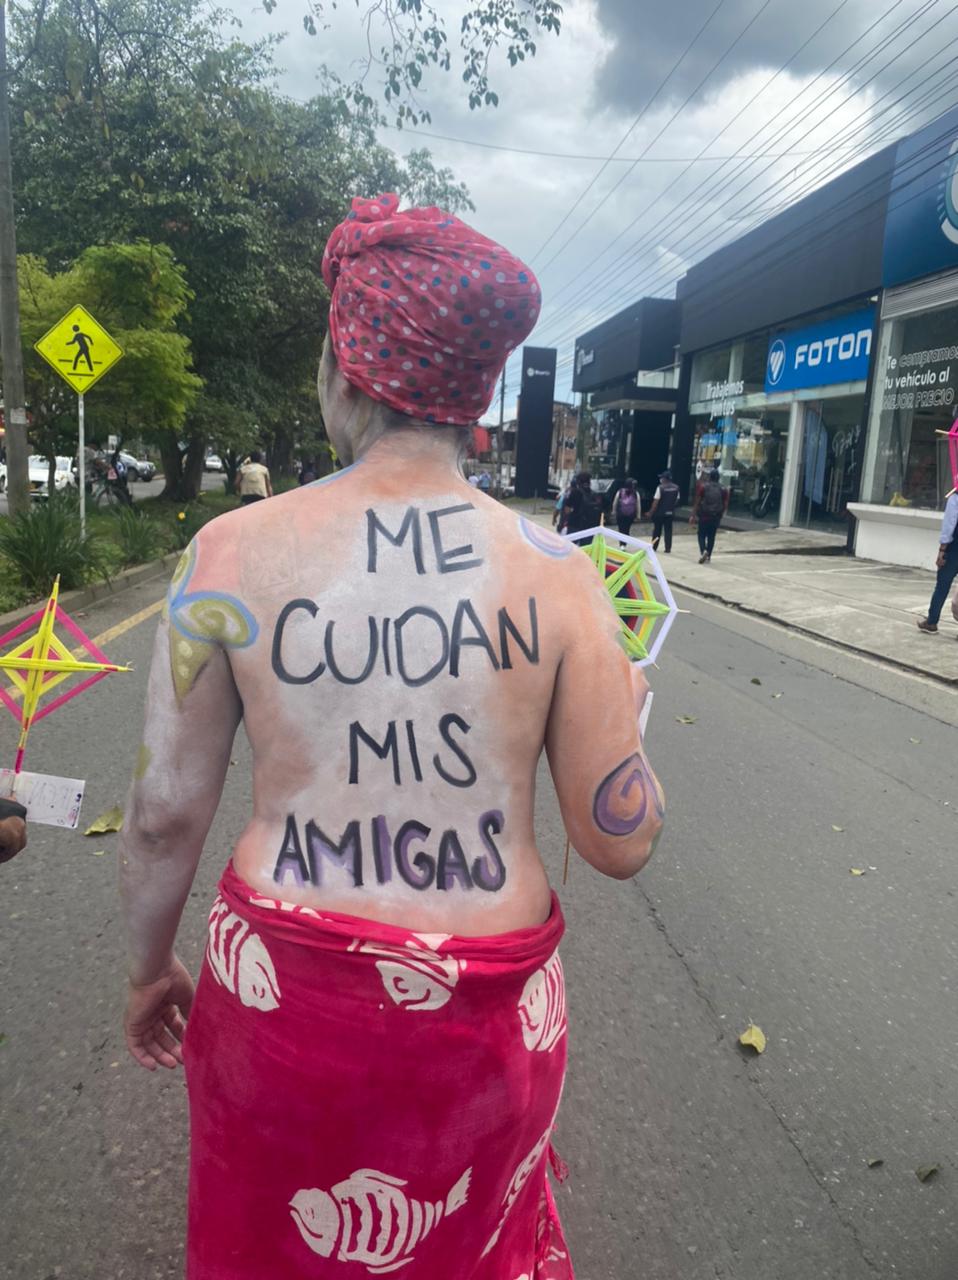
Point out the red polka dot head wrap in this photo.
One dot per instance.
(425, 311)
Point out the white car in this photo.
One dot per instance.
(213, 462)
(39, 475)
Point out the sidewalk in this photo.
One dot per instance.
(802, 580)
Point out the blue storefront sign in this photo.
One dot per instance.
(921, 228)
(835, 351)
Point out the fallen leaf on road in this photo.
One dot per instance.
(753, 1037)
(685, 719)
(875, 1162)
(915, 741)
(755, 680)
(778, 695)
(112, 820)
(834, 828)
(2, 1037)
(856, 871)
(98, 853)
(926, 1171)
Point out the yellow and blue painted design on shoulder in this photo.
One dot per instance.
(199, 622)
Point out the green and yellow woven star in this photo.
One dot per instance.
(625, 568)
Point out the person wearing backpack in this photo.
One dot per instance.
(662, 510)
(582, 509)
(711, 503)
(625, 507)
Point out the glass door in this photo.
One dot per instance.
(828, 474)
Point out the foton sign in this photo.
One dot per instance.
(835, 351)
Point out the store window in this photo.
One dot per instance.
(608, 438)
(748, 448)
(914, 399)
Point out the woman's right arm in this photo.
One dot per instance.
(611, 801)
(193, 710)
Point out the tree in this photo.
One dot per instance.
(133, 128)
(138, 293)
(414, 38)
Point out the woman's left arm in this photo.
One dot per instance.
(193, 710)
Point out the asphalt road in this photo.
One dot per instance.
(152, 489)
(689, 1160)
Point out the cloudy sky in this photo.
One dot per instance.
(673, 127)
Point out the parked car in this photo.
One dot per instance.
(137, 468)
(38, 472)
(213, 462)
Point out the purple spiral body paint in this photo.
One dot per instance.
(622, 799)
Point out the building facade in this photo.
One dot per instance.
(625, 372)
(818, 359)
(777, 338)
(908, 468)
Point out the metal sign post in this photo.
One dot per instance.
(81, 464)
(81, 351)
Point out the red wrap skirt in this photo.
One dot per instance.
(366, 1100)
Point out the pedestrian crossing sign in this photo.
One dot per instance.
(79, 349)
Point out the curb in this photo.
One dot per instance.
(948, 682)
(82, 597)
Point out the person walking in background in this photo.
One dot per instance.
(559, 504)
(118, 479)
(946, 564)
(485, 482)
(253, 483)
(307, 472)
(662, 510)
(711, 503)
(582, 509)
(625, 507)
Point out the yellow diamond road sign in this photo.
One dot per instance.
(79, 349)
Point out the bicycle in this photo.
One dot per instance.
(109, 493)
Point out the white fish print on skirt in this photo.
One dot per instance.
(277, 904)
(519, 1179)
(542, 1011)
(239, 959)
(416, 977)
(368, 1218)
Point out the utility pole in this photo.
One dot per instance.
(502, 418)
(14, 399)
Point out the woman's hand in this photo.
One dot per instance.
(13, 829)
(155, 1018)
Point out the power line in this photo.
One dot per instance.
(571, 155)
(645, 282)
(627, 133)
(674, 116)
(852, 210)
(709, 194)
(713, 189)
(708, 239)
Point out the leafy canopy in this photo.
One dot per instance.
(141, 119)
(406, 37)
